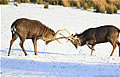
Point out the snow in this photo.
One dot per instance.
(57, 60)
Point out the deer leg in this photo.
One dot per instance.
(118, 43)
(35, 45)
(14, 37)
(93, 46)
(114, 47)
(21, 45)
(91, 42)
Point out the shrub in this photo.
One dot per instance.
(85, 6)
(54, 2)
(39, 1)
(66, 3)
(46, 4)
(115, 9)
(60, 2)
(90, 3)
(117, 4)
(4, 2)
(25, 1)
(78, 4)
(114, 2)
(100, 8)
(110, 9)
(17, 1)
(82, 3)
(109, 1)
(72, 3)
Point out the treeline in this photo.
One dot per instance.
(102, 6)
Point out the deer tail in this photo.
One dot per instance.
(13, 28)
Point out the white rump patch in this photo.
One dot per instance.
(13, 29)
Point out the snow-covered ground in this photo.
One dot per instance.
(57, 60)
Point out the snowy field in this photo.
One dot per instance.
(55, 59)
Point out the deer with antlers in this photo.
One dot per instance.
(93, 36)
(32, 29)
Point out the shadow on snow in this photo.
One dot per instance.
(57, 69)
(12, 50)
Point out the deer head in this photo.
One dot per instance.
(74, 40)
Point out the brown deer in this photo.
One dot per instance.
(93, 36)
(31, 29)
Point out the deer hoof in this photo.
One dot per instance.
(110, 55)
(35, 54)
(25, 54)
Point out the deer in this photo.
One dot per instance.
(32, 29)
(93, 36)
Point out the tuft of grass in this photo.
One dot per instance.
(111, 9)
(66, 3)
(99, 6)
(77, 2)
(85, 6)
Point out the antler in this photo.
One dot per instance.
(63, 36)
(61, 33)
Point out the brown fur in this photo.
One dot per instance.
(93, 36)
(30, 29)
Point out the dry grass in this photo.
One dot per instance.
(110, 9)
(75, 3)
(66, 3)
(99, 5)
(109, 6)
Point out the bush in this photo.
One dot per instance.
(110, 9)
(25, 1)
(54, 2)
(4, 2)
(117, 4)
(100, 8)
(66, 3)
(78, 4)
(85, 6)
(39, 1)
(115, 9)
(72, 3)
(60, 2)
(46, 4)
(17, 1)
(114, 2)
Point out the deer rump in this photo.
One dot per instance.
(32, 29)
(93, 36)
